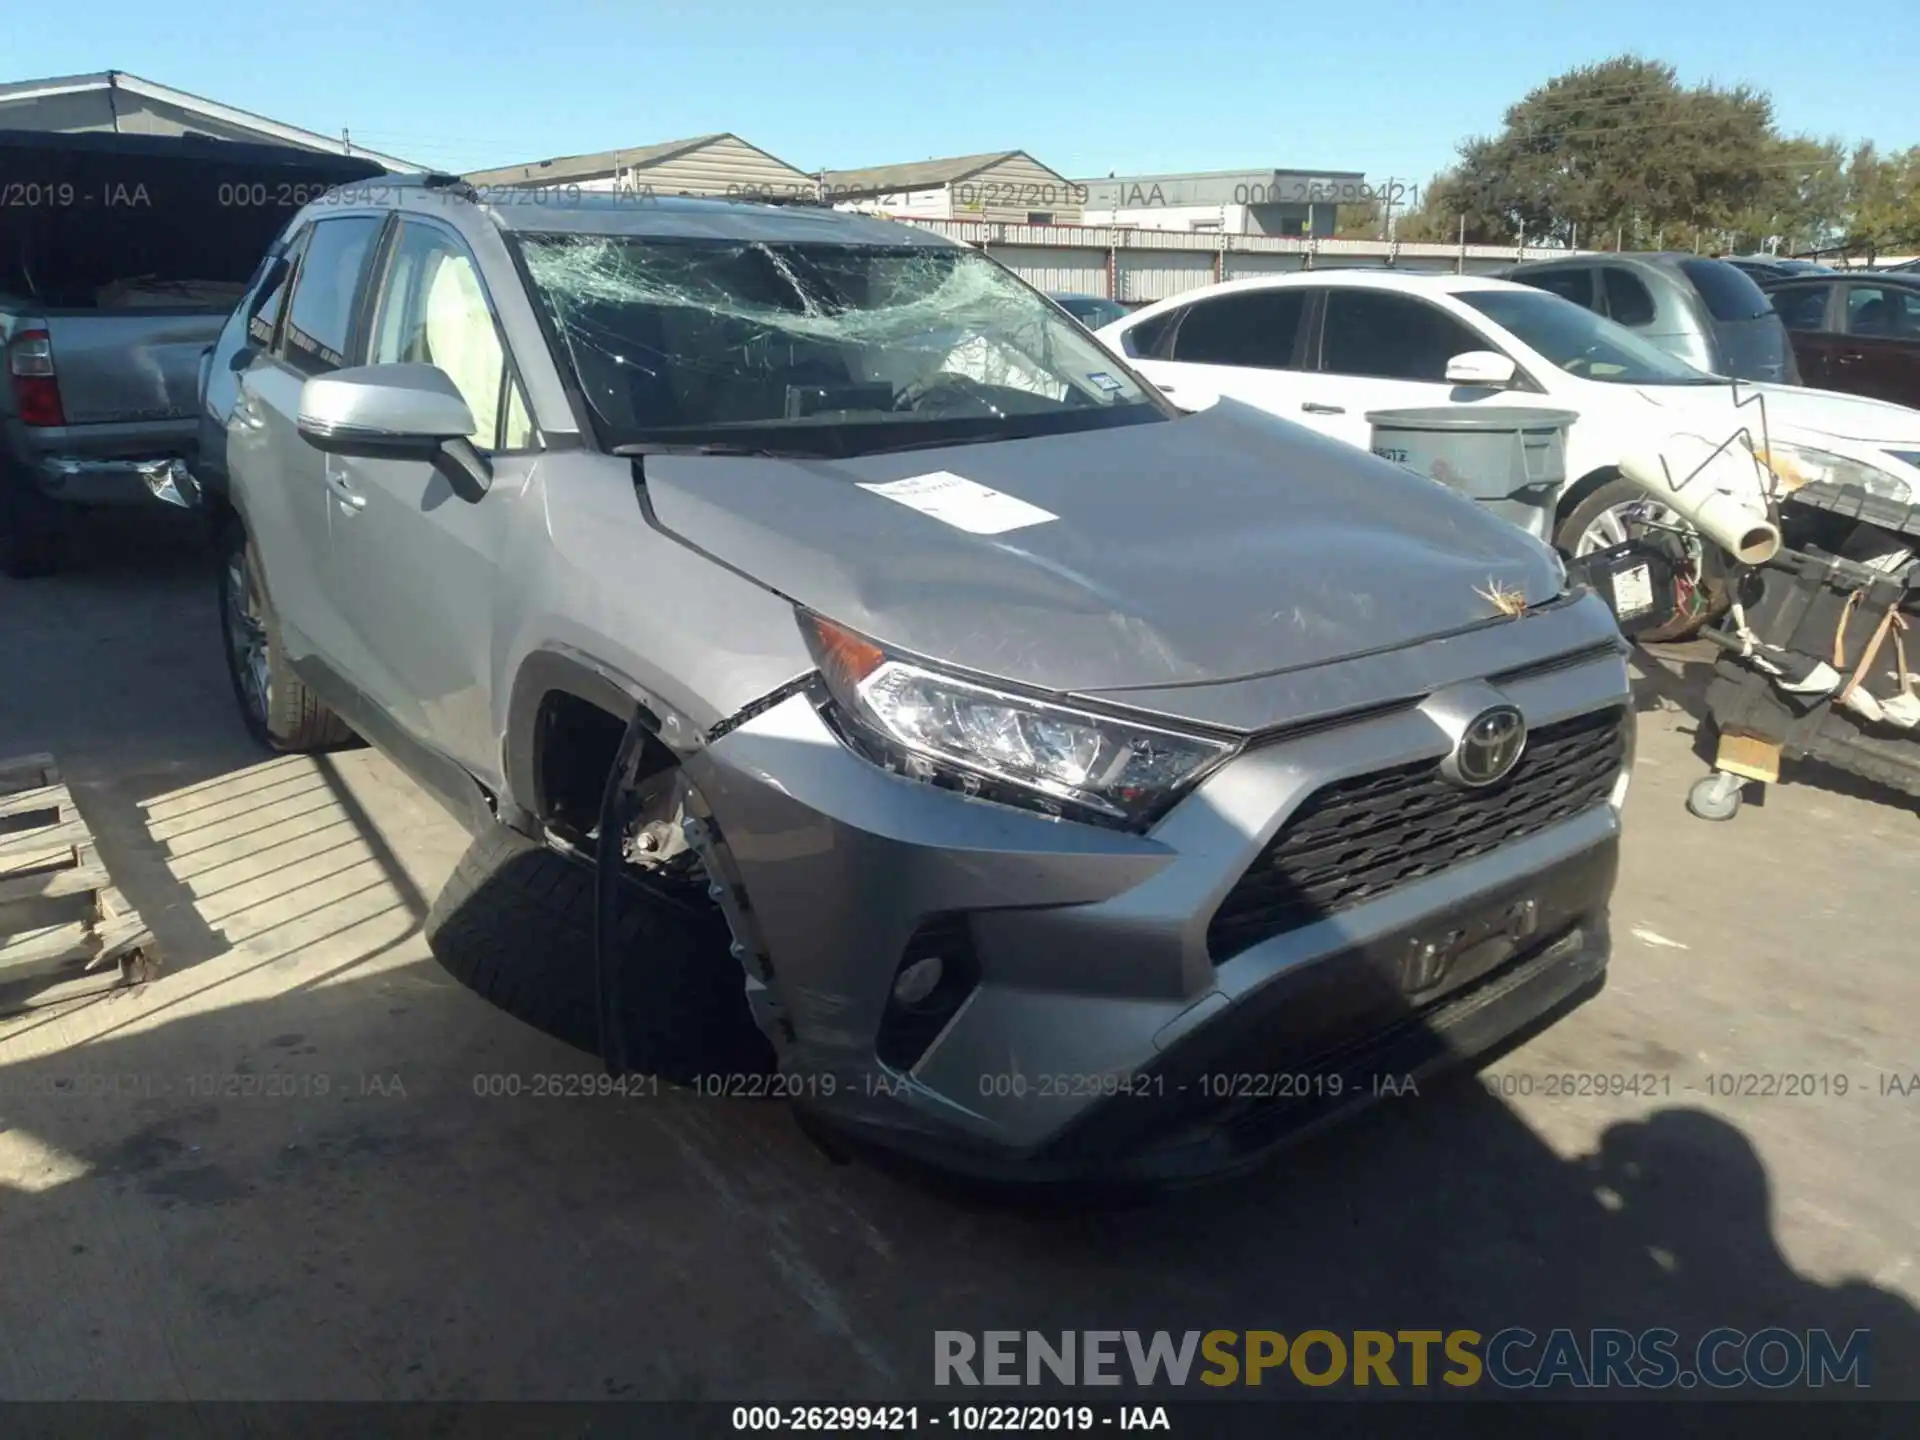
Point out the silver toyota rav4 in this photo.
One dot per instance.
(864, 689)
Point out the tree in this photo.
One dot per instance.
(1883, 201)
(1620, 145)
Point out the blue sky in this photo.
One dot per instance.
(1385, 86)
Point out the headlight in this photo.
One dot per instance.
(970, 737)
(1796, 465)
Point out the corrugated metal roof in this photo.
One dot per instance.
(268, 129)
(562, 168)
(918, 174)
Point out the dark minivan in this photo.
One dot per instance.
(1706, 312)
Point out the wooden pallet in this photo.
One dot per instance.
(65, 931)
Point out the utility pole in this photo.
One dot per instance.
(346, 141)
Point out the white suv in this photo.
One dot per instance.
(1324, 348)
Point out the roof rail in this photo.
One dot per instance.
(452, 184)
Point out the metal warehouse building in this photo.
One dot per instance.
(721, 164)
(1004, 185)
(114, 102)
(1232, 202)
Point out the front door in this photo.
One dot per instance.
(285, 489)
(415, 565)
(1806, 310)
(1381, 350)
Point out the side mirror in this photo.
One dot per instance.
(1483, 369)
(384, 411)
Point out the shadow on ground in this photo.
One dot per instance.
(321, 1195)
(333, 1173)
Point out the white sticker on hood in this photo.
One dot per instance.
(962, 503)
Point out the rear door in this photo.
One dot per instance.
(280, 481)
(1245, 344)
(1807, 311)
(1381, 350)
(1749, 337)
(1878, 353)
(414, 565)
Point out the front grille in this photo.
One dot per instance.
(1355, 840)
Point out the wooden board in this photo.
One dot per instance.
(65, 930)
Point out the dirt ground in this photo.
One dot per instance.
(381, 1229)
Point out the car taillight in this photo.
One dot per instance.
(36, 390)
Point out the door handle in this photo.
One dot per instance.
(344, 491)
(1314, 407)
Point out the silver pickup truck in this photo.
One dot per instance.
(119, 263)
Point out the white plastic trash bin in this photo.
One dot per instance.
(1510, 458)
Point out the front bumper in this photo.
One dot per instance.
(1100, 1037)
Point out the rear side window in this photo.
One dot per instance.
(1143, 341)
(1804, 307)
(1628, 301)
(1729, 294)
(1393, 337)
(1574, 283)
(320, 317)
(1256, 329)
(1883, 310)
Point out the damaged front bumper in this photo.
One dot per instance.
(1090, 1014)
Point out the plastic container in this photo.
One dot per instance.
(1511, 458)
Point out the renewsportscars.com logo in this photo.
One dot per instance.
(1515, 1358)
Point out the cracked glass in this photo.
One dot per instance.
(818, 349)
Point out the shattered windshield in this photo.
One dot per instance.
(818, 349)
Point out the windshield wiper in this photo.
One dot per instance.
(713, 447)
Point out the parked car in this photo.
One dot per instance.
(120, 258)
(1858, 333)
(1326, 348)
(1764, 268)
(1092, 311)
(1000, 716)
(1703, 311)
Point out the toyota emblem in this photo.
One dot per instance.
(1489, 748)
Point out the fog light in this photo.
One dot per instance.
(918, 980)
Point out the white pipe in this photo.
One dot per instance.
(1722, 491)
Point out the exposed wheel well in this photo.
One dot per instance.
(574, 744)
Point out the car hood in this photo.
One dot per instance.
(1212, 547)
(1797, 408)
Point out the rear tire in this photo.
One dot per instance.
(33, 531)
(1611, 495)
(280, 712)
(515, 925)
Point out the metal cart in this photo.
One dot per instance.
(1815, 661)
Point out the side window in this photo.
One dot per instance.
(1804, 307)
(1145, 340)
(1392, 337)
(264, 325)
(433, 311)
(1887, 311)
(1575, 283)
(1256, 328)
(320, 315)
(1628, 301)
(1869, 310)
